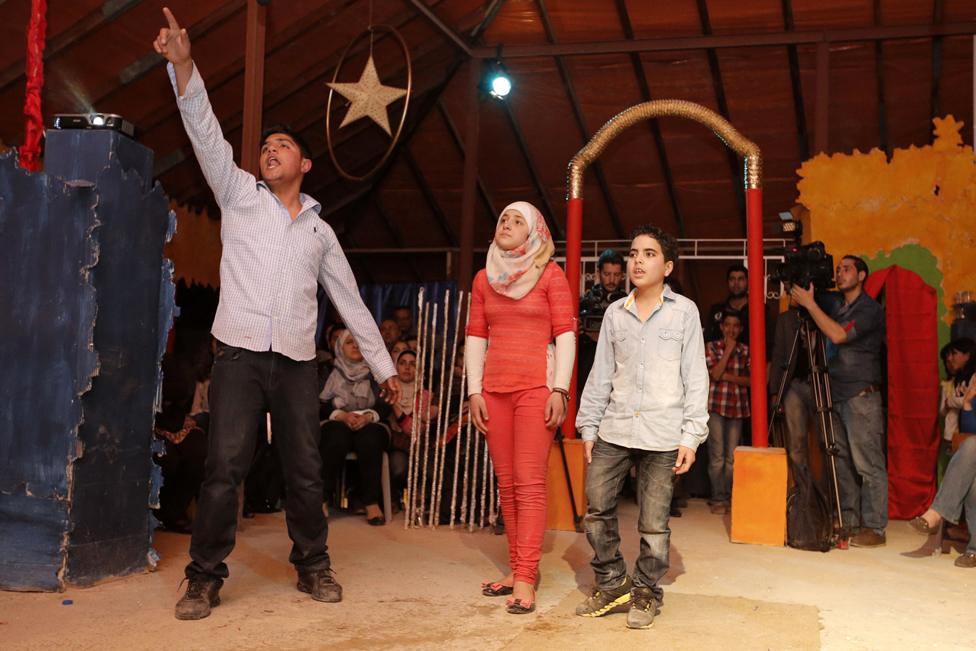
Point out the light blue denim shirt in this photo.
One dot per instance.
(649, 385)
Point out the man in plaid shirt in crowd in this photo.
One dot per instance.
(728, 405)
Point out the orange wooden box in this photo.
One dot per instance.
(759, 496)
(559, 512)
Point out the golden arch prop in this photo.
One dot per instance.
(752, 163)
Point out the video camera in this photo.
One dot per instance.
(804, 265)
(594, 305)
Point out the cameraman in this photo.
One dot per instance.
(856, 328)
(608, 288)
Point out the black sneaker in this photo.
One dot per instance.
(643, 608)
(602, 602)
(321, 585)
(202, 594)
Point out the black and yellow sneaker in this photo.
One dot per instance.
(643, 607)
(605, 601)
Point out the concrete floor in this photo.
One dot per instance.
(419, 590)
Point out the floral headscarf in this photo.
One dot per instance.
(514, 273)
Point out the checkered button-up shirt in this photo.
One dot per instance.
(727, 398)
(271, 264)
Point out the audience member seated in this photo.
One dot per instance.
(264, 485)
(400, 346)
(412, 342)
(390, 331)
(203, 367)
(355, 423)
(323, 357)
(959, 361)
(403, 315)
(957, 493)
(186, 447)
(412, 404)
(455, 410)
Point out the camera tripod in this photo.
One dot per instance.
(816, 351)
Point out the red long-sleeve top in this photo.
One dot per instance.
(518, 331)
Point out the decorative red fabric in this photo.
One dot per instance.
(911, 309)
(30, 152)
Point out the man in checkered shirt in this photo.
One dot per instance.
(276, 250)
(728, 405)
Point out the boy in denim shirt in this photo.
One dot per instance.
(645, 404)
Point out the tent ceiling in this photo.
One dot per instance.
(882, 93)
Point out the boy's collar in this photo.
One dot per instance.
(667, 293)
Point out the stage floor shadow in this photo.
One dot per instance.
(419, 589)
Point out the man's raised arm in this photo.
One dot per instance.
(213, 152)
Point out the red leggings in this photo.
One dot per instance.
(519, 444)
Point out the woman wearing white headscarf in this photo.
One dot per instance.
(355, 424)
(518, 386)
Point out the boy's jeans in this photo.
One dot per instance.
(604, 478)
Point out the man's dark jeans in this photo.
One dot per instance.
(245, 385)
(605, 477)
(859, 427)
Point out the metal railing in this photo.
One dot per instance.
(688, 249)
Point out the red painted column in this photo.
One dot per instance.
(574, 251)
(757, 317)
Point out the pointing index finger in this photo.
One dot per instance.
(171, 19)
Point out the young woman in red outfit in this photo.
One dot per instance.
(519, 382)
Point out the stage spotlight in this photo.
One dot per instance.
(791, 225)
(501, 86)
(496, 80)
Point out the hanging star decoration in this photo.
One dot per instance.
(369, 98)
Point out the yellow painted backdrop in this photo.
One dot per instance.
(917, 209)
(195, 249)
